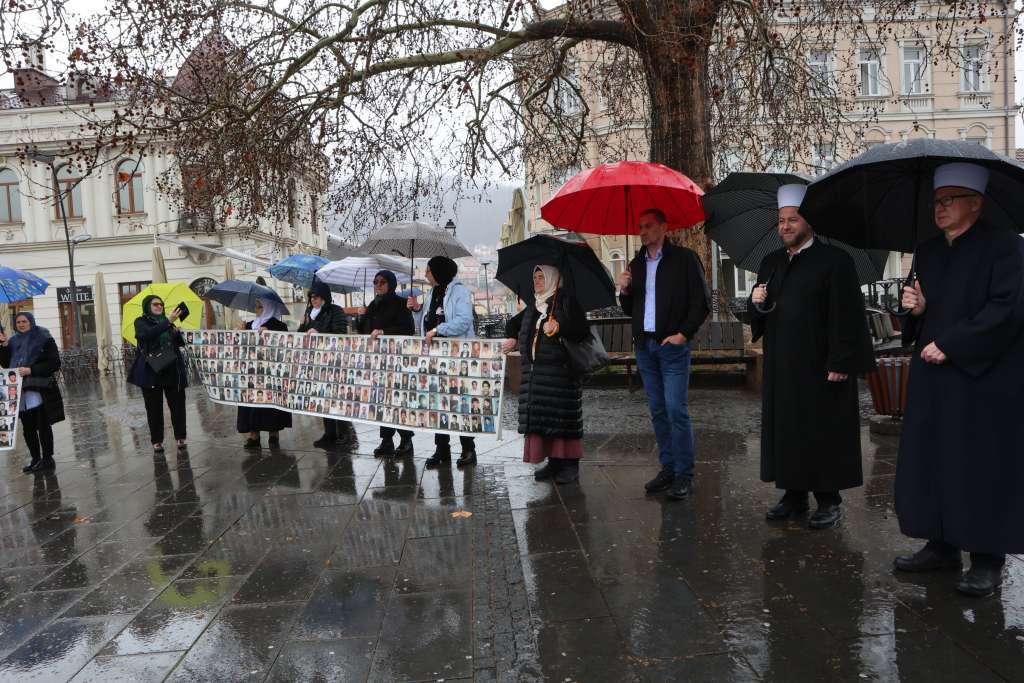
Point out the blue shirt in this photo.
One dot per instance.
(649, 294)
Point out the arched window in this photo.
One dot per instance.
(618, 263)
(129, 187)
(69, 190)
(10, 198)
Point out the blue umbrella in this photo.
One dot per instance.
(18, 285)
(298, 269)
(405, 293)
(243, 295)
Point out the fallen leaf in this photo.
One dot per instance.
(462, 513)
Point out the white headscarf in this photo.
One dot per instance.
(269, 311)
(552, 279)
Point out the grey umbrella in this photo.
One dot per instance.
(413, 240)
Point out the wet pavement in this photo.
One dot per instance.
(298, 564)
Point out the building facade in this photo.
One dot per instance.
(894, 88)
(117, 205)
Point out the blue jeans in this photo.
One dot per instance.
(665, 370)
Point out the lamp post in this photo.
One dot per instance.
(450, 226)
(70, 243)
(487, 285)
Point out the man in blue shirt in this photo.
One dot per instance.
(665, 293)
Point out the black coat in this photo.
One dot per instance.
(682, 300)
(810, 427)
(45, 364)
(960, 472)
(147, 336)
(330, 320)
(390, 314)
(550, 395)
(263, 419)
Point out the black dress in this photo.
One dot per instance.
(810, 427)
(264, 419)
(960, 474)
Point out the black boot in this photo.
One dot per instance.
(548, 471)
(405, 449)
(984, 576)
(386, 448)
(31, 467)
(46, 464)
(790, 505)
(933, 557)
(468, 457)
(568, 472)
(326, 441)
(442, 456)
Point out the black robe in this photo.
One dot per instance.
(960, 472)
(263, 419)
(810, 427)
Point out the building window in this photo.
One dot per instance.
(972, 69)
(312, 216)
(69, 191)
(10, 198)
(563, 97)
(819, 62)
(129, 187)
(869, 63)
(290, 198)
(618, 263)
(823, 158)
(777, 160)
(915, 69)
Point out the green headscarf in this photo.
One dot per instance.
(165, 338)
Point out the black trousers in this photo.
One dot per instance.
(823, 497)
(389, 433)
(38, 433)
(154, 399)
(444, 440)
(993, 560)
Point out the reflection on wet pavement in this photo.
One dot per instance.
(298, 564)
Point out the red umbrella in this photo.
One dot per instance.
(608, 199)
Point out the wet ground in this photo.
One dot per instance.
(298, 564)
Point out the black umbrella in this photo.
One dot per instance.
(882, 198)
(741, 215)
(583, 274)
(244, 295)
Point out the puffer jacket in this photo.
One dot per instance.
(550, 395)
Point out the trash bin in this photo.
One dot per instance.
(888, 385)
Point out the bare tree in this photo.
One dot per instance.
(384, 102)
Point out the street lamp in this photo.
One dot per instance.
(450, 226)
(487, 284)
(48, 160)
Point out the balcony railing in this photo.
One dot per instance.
(975, 100)
(917, 103)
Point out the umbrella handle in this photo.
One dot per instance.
(898, 309)
(765, 308)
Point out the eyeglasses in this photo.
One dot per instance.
(157, 303)
(947, 201)
(380, 282)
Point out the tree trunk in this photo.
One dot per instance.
(680, 130)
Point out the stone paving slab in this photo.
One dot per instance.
(296, 564)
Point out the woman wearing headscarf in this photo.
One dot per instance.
(325, 317)
(155, 332)
(388, 314)
(256, 420)
(449, 313)
(33, 354)
(550, 394)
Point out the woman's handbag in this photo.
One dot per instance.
(588, 356)
(162, 358)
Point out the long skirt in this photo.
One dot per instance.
(538, 448)
(262, 420)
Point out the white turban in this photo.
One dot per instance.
(960, 174)
(791, 195)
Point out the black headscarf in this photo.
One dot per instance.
(26, 346)
(321, 290)
(391, 278)
(444, 270)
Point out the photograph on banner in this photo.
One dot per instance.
(10, 399)
(452, 385)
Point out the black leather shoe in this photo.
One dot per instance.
(548, 471)
(661, 482)
(31, 466)
(385, 450)
(927, 560)
(440, 457)
(980, 581)
(405, 449)
(325, 441)
(44, 465)
(681, 488)
(825, 517)
(568, 472)
(786, 508)
(252, 443)
(467, 458)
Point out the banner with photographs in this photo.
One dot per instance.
(10, 399)
(450, 385)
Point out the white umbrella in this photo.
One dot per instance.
(354, 271)
(230, 317)
(414, 240)
(159, 270)
(104, 336)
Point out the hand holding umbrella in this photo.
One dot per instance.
(760, 296)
